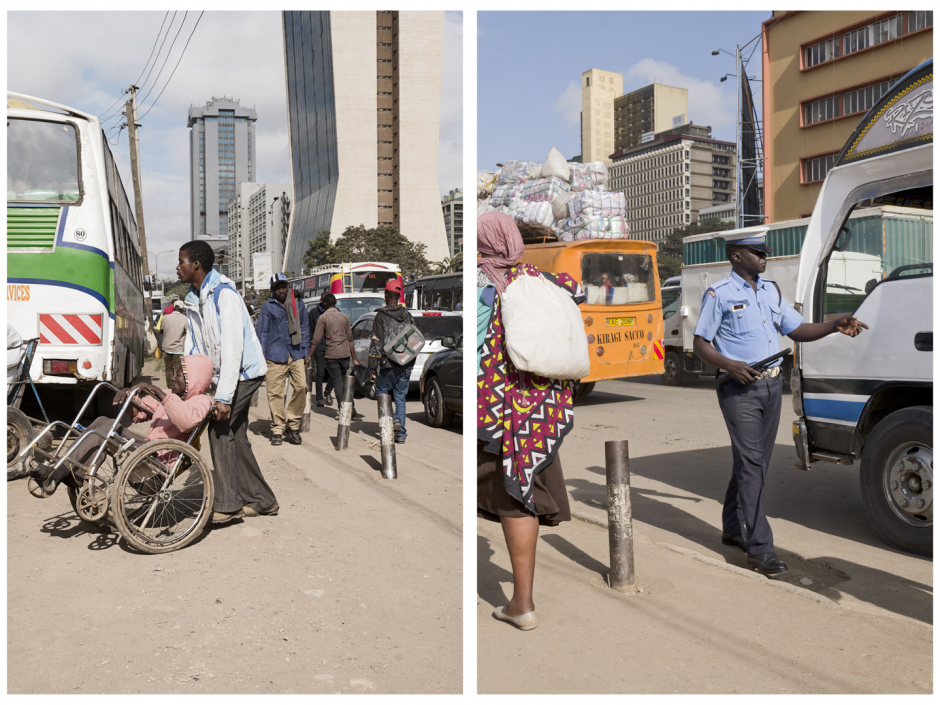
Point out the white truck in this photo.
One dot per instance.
(870, 398)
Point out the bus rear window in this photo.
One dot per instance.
(42, 161)
(616, 279)
(373, 281)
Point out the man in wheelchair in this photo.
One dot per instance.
(175, 412)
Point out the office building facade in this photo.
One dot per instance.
(669, 179)
(599, 89)
(821, 72)
(364, 125)
(222, 155)
(259, 217)
(452, 206)
(647, 111)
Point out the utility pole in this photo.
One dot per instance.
(134, 139)
(738, 171)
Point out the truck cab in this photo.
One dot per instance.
(870, 399)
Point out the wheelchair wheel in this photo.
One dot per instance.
(92, 502)
(155, 515)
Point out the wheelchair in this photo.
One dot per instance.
(158, 494)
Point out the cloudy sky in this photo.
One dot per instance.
(529, 69)
(235, 54)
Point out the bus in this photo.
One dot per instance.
(74, 274)
(440, 292)
(346, 278)
(623, 317)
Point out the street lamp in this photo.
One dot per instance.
(738, 205)
(156, 264)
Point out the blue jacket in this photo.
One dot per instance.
(272, 331)
(312, 317)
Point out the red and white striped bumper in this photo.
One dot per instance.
(70, 329)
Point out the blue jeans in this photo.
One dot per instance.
(394, 381)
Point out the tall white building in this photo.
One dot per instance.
(222, 154)
(364, 99)
(259, 219)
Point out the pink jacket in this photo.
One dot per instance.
(176, 417)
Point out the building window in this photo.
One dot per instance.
(818, 53)
(862, 99)
(815, 169)
(819, 110)
(917, 21)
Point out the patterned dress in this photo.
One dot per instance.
(521, 417)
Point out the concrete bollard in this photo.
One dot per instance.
(619, 515)
(305, 419)
(345, 411)
(387, 436)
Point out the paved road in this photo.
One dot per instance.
(874, 600)
(354, 587)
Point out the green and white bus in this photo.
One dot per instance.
(74, 275)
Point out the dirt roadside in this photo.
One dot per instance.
(354, 587)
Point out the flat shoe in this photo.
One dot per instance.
(225, 517)
(525, 622)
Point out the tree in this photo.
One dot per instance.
(669, 257)
(449, 264)
(382, 244)
(319, 251)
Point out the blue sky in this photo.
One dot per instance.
(529, 67)
(235, 54)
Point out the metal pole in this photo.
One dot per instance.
(134, 139)
(345, 411)
(305, 419)
(738, 174)
(387, 436)
(619, 515)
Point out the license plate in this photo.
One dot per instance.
(621, 321)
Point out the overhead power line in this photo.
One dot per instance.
(175, 67)
(169, 51)
(154, 46)
(160, 50)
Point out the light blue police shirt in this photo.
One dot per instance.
(743, 324)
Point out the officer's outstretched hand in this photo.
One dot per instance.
(741, 371)
(850, 326)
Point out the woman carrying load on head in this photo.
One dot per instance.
(521, 419)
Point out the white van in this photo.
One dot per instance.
(870, 398)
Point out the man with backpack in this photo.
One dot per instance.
(390, 323)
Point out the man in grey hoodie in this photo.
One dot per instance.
(392, 378)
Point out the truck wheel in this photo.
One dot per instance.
(673, 374)
(584, 388)
(897, 479)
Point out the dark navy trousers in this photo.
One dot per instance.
(752, 414)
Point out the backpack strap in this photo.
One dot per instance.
(779, 295)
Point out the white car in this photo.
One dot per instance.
(353, 305)
(434, 326)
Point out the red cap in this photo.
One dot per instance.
(393, 285)
(168, 310)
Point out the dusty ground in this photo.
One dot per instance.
(851, 616)
(354, 587)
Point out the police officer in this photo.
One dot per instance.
(743, 315)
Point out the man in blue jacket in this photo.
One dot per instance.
(284, 333)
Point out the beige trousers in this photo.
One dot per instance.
(278, 374)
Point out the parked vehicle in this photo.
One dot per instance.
(434, 326)
(353, 305)
(73, 258)
(345, 278)
(440, 292)
(442, 383)
(704, 264)
(870, 398)
(623, 320)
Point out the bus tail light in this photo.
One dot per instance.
(599, 351)
(59, 367)
(590, 339)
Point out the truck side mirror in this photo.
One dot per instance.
(870, 285)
